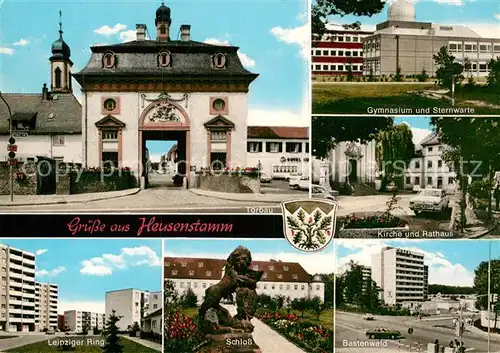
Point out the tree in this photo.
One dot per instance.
(353, 284)
(189, 299)
(328, 132)
(494, 75)
(350, 75)
(328, 280)
(395, 149)
(111, 333)
(481, 285)
(317, 307)
(321, 9)
(280, 301)
(339, 291)
(370, 298)
(467, 69)
(301, 305)
(397, 76)
(170, 295)
(447, 68)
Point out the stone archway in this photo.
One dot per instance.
(164, 116)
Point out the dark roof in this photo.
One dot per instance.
(431, 139)
(62, 115)
(212, 269)
(154, 313)
(278, 132)
(189, 59)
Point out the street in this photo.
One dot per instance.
(163, 198)
(352, 327)
(21, 339)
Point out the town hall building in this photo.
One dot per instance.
(165, 89)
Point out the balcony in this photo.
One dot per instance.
(16, 266)
(29, 295)
(29, 270)
(15, 257)
(21, 320)
(16, 275)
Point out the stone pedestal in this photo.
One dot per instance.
(230, 343)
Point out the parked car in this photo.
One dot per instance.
(368, 317)
(294, 176)
(265, 178)
(300, 184)
(319, 192)
(383, 333)
(430, 200)
(50, 332)
(294, 180)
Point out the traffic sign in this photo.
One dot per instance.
(12, 148)
(410, 330)
(19, 134)
(13, 161)
(12, 155)
(12, 140)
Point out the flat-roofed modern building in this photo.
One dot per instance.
(131, 304)
(404, 42)
(78, 320)
(400, 275)
(46, 305)
(17, 290)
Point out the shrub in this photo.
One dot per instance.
(422, 77)
(181, 333)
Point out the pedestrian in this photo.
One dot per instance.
(496, 195)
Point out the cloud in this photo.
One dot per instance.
(441, 270)
(246, 61)
(276, 117)
(128, 36)
(5, 50)
(41, 251)
(312, 263)
(418, 133)
(51, 273)
(497, 16)
(92, 306)
(22, 42)
(107, 263)
(297, 36)
(451, 2)
(109, 31)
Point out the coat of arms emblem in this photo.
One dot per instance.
(309, 225)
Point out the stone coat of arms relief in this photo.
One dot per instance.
(165, 112)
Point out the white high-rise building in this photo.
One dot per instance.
(131, 304)
(77, 320)
(400, 275)
(17, 290)
(46, 303)
(154, 303)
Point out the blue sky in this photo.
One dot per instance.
(272, 36)
(481, 16)
(263, 250)
(86, 269)
(451, 262)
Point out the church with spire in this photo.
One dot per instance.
(48, 123)
(162, 86)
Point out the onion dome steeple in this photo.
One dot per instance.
(60, 50)
(60, 64)
(162, 22)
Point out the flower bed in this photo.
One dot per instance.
(306, 335)
(181, 333)
(356, 221)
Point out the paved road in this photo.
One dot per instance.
(22, 339)
(352, 327)
(150, 200)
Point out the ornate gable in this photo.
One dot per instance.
(108, 122)
(219, 122)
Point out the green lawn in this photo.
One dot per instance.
(358, 98)
(190, 312)
(43, 347)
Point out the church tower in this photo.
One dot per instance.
(60, 64)
(163, 22)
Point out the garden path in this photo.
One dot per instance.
(266, 338)
(156, 346)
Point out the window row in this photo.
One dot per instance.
(430, 180)
(342, 38)
(472, 48)
(163, 59)
(333, 67)
(277, 147)
(326, 52)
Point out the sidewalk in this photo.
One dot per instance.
(29, 200)
(156, 346)
(475, 228)
(265, 198)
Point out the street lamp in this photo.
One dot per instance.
(11, 169)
